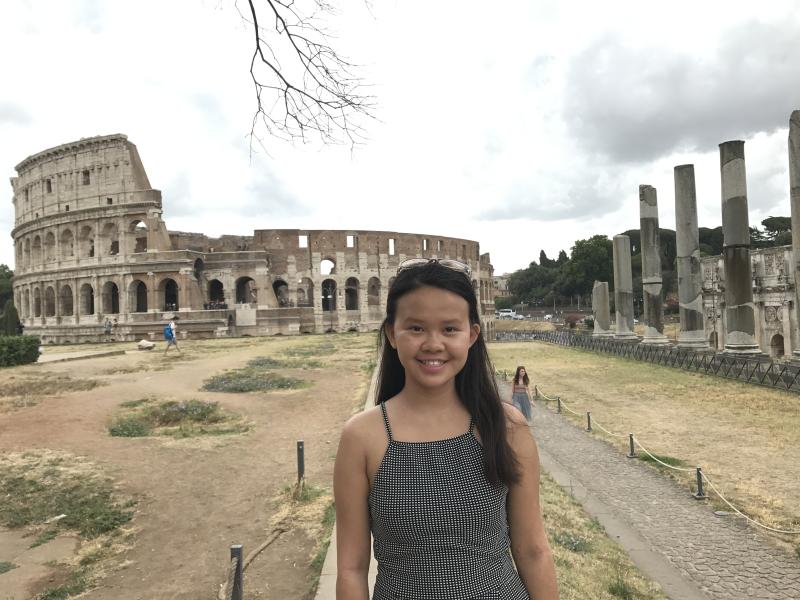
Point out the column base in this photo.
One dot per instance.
(629, 337)
(656, 341)
(697, 343)
(603, 334)
(747, 351)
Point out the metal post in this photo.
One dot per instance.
(237, 553)
(535, 391)
(632, 453)
(588, 421)
(301, 461)
(700, 495)
(558, 399)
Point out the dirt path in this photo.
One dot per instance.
(199, 495)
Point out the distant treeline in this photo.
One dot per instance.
(565, 279)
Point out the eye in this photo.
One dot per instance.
(450, 329)
(415, 328)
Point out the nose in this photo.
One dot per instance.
(433, 341)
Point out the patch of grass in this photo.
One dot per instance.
(47, 385)
(5, 567)
(620, 588)
(251, 380)
(572, 541)
(267, 362)
(303, 492)
(77, 584)
(44, 537)
(136, 403)
(670, 460)
(177, 419)
(322, 349)
(37, 489)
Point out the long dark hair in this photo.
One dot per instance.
(475, 384)
(525, 379)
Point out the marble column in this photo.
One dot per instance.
(651, 267)
(740, 335)
(690, 275)
(794, 196)
(623, 289)
(601, 310)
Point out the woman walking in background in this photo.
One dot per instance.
(443, 473)
(520, 394)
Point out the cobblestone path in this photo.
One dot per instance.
(722, 556)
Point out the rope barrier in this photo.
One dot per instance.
(740, 513)
(702, 475)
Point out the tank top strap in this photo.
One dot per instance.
(471, 425)
(386, 421)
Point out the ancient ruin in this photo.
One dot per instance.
(794, 200)
(651, 267)
(623, 289)
(91, 246)
(601, 310)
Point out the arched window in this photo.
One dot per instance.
(138, 236)
(26, 253)
(110, 298)
(137, 296)
(327, 267)
(49, 246)
(87, 299)
(26, 303)
(281, 289)
(216, 291)
(374, 291)
(246, 291)
(776, 345)
(36, 251)
(49, 302)
(305, 292)
(67, 243)
(329, 294)
(351, 294)
(65, 301)
(168, 290)
(110, 239)
(86, 242)
(37, 302)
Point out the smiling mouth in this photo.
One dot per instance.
(432, 362)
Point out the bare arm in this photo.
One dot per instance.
(350, 488)
(529, 545)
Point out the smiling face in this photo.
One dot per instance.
(432, 335)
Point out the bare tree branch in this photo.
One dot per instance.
(304, 89)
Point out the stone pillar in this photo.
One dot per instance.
(794, 196)
(600, 310)
(739, 311)
(623, 289)
(651, 267)
(690, 275)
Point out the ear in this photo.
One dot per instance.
(474, 330)
(389, 331)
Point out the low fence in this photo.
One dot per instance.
(754, 370)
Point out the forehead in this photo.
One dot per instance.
(432, 303)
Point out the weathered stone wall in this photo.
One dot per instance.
(91, 246)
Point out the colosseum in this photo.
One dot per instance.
(91, 246)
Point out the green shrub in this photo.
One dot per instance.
(173, 413)
(9, 320)
(129, 426)
(18, 350)
(249, 380)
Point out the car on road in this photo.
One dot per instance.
(506, 313)
(548, 317)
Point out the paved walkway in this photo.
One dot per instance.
(673, 538)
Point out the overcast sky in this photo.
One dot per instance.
(524, 127)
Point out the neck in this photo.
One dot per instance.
(426, 398)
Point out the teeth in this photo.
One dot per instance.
(433, 363)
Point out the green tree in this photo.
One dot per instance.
(9, 320)
(6, 291)
(590, 260)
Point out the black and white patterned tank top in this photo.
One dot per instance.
(439, 527)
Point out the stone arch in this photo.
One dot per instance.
(327, 266)
(329, 295)
(216, 291)
(281, 289)
(26, 253)
(36, 251)
(110, 237)
(198, 268)
(374, 291)
(137, 296)
(37, 302)
(65, 301)
(246, 291)
(49, 302)
(138, 236)
(305, 292)
(49, 246)
(169, 292)
(86, 242)
(26, 303)
(67, 243)
(110, 296)
(351, 293)
(87, 299)
(776, 346)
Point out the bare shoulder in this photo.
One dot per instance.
(362, 426)
(514, 418)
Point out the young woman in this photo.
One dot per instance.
(442, 473)
(520, 392)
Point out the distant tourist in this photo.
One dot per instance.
(107, 329)
(443, 473)
(171, 335)
(520, 392)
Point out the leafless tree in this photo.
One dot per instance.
(304, 89)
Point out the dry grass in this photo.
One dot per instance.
(27, 388)
(746, 438)
(506, 325)
(587, 561)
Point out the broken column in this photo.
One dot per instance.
(794, 196)
(651, 267)
(740, 335)
(690, 276)
(601, 310)
(623, 289)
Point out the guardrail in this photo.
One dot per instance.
(753, 370)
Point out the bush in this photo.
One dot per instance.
(18, 350)
(131, 426)
(9, 320)
(572, 319)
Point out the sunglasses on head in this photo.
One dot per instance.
(455, 265)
